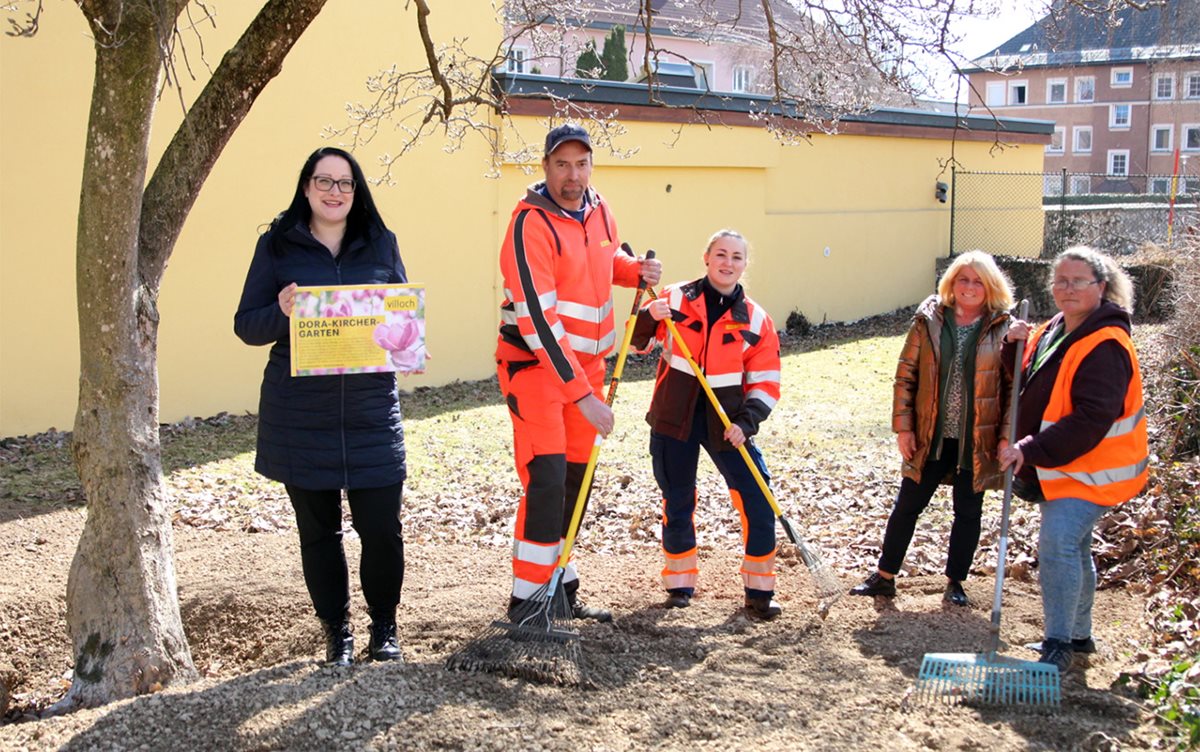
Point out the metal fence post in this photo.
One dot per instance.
(1062, 214)
(953, 203)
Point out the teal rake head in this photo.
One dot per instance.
(987, 679)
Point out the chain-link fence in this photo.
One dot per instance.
(1040, 214)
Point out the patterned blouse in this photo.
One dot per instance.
(952, 420)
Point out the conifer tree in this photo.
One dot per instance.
(589, 65)
(615, 56)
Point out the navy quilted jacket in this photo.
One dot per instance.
(321, 432)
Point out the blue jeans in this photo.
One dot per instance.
(1066, 570)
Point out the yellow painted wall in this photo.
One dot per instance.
(440, 208)
(869, 199)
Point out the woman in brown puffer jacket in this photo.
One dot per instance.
(948, 414)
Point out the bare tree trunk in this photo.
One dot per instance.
(122, 605)
(122, 600)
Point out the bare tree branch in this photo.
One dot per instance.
(241, 76)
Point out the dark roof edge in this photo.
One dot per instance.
(622, 93)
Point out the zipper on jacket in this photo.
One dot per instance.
(337, 265)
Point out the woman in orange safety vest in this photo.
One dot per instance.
(1082, 426)
(735, 343)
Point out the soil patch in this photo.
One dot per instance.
(704, 677)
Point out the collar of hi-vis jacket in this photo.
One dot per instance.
(739, 311)
(534, 197)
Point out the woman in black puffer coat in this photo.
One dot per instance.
(319, 435)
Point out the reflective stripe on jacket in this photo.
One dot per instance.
(558, 276)
(1116, 469)
(738, 354)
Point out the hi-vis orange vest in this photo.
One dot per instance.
(1115, 470)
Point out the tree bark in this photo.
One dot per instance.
(122, 600)
(122, 604)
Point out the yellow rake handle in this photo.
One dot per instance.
(712, 400)
(618, 369)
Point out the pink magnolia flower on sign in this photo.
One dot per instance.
(341, 309)
(403, 341)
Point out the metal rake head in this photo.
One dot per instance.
(828, 585)
(987, 679)
(537, 643)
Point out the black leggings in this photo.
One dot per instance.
(375, 514)
(912, 500)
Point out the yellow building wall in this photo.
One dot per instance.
(844, 227)
(869, 200)
(440, 208)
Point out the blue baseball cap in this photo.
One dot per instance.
(564, 133)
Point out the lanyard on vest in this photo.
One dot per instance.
(1044, 354)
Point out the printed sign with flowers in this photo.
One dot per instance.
(358, 329)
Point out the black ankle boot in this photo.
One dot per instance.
(383, 645)
(339, 644)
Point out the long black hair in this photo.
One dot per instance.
(362, 221)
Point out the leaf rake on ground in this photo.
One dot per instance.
(537, 642)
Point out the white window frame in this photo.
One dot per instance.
(1050, 84)
(1113, 109)
(1160, 128)
(1080, 184)
(1183, 137)
(517, 59)
(1191, 85)
(1061, 133)
(996, 94)
(1013, 86)
(1078, 130)
(1112, 154)
(744, 72)
(1157, 181)
(1052, 184)
(1079, 81)
(1158, 79)
(708, 69)
(1120, 84)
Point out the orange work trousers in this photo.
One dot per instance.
(552, 442)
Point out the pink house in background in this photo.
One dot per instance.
(1124, 99)
(728, 57)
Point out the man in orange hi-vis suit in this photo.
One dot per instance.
(560, 259)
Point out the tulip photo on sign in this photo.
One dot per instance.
(358, 329)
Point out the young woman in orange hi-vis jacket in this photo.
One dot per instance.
(947, 412)
(1082, 445)
(735, 343)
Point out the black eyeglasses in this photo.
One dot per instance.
(326, 183)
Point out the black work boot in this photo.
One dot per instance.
(762, 607)
(678, 599)
(876, 584)
(581, 611)
(382, 646)
(339, 643)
